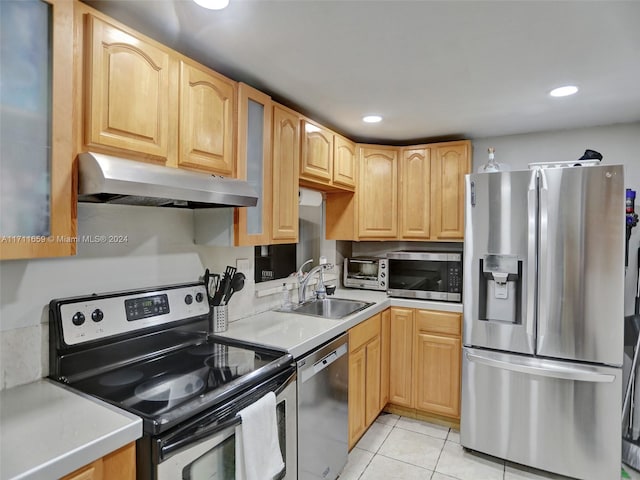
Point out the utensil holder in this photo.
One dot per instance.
(219, 318)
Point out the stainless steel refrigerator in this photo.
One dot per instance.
(543, 318)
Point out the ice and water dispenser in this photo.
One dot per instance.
(500, 288)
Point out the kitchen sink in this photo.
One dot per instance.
(334, 308)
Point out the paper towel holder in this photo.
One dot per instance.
(308, 197)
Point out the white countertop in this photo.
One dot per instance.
(48, 430)
(299, 334)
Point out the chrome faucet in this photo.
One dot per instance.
(320, 291)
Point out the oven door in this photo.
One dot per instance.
(213, 456)
(428, 276)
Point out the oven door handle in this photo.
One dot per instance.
(168, 446)
(176, 444)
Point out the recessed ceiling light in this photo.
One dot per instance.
(213, 4)
(563, 91)
(372, 118)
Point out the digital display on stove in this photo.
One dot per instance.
(145, 307)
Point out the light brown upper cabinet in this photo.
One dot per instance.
(150, 103)
(207, 102)
(316, 160)
(344, 162)
(39, 224)
(286, 155)
(130, 84)
(409, 193)
(255, 115)
(415, 193)
(450, 163)
(378, 192)
(327, 160)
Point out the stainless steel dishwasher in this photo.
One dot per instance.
(323, 378)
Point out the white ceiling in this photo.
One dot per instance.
(432, 69)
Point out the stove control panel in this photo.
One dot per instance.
(102, 316)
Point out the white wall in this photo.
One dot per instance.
(618, 144)
(159, 250)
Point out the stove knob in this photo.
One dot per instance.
(188, 299)
(382, 275)
(97, 315)
(78, 319)
(382, 283)
(199, 297)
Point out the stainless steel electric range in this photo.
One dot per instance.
(150, 351)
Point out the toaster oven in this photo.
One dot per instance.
(368, 273)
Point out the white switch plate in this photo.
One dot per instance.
(243, 264)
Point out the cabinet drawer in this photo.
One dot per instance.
(364, 332)
(448, 323)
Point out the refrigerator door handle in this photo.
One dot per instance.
(542, 267)
(564, 373)
(532, 206)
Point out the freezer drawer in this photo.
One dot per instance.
(553, 415)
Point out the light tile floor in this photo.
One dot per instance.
(405, 449)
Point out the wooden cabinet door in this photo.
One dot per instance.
(207, 108)
(56, 101)
(378, 193)
(415, 193)
(316, 160)
(93, 471)
(372, 401)
(286, 153)
(252, 225)
(385, 345)
(129, 93)
(450, 163)
(357, 394)
(400, 357)
(437, 374)
(344, 162)
(120, 464)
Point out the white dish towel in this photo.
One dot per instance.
(258, 454)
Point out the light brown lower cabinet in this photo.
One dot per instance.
(364, 376)
(424, 358)
(120, 465)
(385, 347)
(437, 363)
(401, 357)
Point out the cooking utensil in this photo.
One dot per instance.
(215, 282)
(206, 279)
(228, 277)
(221, 285)
(237, 284)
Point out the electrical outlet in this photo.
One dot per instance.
(243, 264)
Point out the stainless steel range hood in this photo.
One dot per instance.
(107, 179)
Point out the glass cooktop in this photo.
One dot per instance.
(154, 387)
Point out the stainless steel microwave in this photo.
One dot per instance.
(425, 275)
(369, 273)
